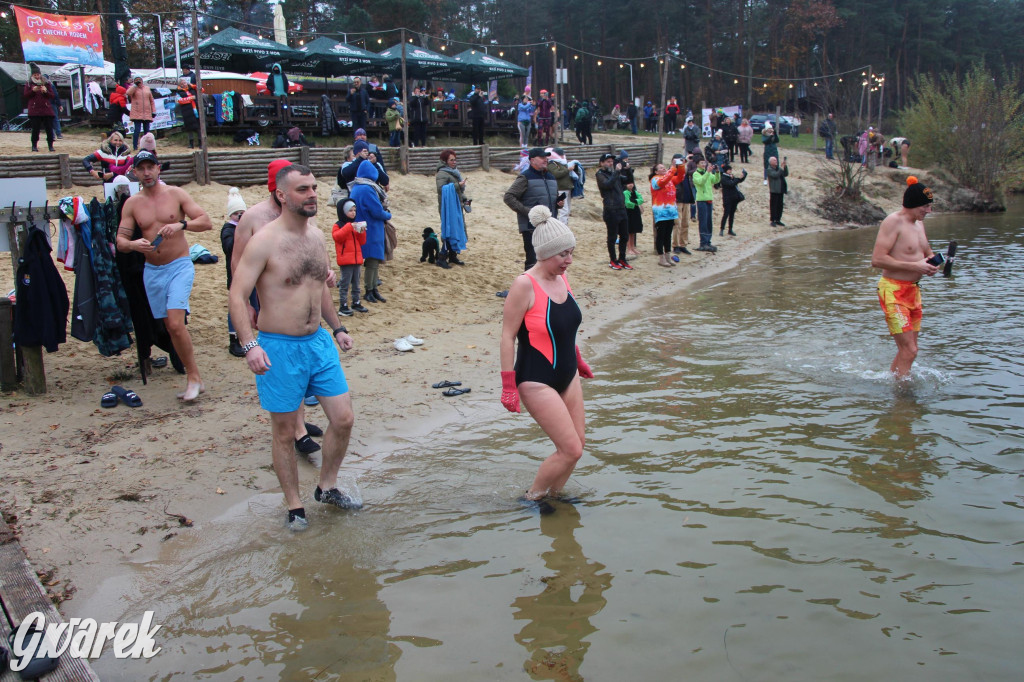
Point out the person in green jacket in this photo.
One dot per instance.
(634, 216)
(396, 124)
(770, 140)
(704, 179)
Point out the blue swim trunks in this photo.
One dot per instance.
(299, 366)
(169, 286)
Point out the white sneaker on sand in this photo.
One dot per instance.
(413, 340)
(402, 345)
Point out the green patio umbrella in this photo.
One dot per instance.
(419, 63)
(325, 57)
(238, 51)
(479, 65)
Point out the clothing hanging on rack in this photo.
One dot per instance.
(41, 314)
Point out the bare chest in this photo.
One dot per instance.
(298, 262)
(152, 214)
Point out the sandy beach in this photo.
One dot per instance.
(90, 489)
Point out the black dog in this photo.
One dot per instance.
(431, 246)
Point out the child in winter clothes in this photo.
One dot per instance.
(634, 216)
(663, 206)
(235, 208)
(349, 237)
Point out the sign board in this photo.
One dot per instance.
(58, 38)
(561, 76)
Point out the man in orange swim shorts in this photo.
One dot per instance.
(902, 252)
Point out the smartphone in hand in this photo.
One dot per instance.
(935, 260)
(156, 242)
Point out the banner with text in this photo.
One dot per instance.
(61, 39)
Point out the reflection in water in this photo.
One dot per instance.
(559, 616)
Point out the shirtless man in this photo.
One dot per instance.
(163, 213)
(286, 262)
(252, 220)
(902, 251)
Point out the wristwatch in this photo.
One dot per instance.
(184, 224)
(249, 346)
(339, 329)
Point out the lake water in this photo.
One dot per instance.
(759, 501)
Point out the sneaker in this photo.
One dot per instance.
(413, 340)
(360, 308)
(686, 251)
(345, 311)
(712, 249)
(614, 266)
(625, 265)
(335, 497)
(678, 249)
(306, 445)
(780, 223)
(297, 523)
(765, 182)
(502, 294)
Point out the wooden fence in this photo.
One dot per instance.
(246, 167)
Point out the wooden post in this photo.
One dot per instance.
(485, 157)
(203, 179)
(8, 370)
(65, 170)
(304, 156)
(197, 167)
(814, 146)
(661, 108)
(403, 151)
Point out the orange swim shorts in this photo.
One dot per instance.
(901, 301)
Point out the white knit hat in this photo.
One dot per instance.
(235, 201)
(550, 237)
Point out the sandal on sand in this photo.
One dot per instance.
(446, 384)
(451, 392)
(108, 400)
(129, 398)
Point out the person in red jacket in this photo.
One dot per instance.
(349, 237)
(119, 104)
(39, 96)
(671, 112)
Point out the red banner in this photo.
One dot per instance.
(61, 39)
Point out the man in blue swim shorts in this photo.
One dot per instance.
(286, 262)
(162, 214)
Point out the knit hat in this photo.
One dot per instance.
(235, 202)
(550, 237)
(343, 207)
(360, 132)
(34, 68)
(148, 142)
(916, 195)
(273, 169)
(121, 180)
(358, 146)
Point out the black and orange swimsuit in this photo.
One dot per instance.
(547, 340)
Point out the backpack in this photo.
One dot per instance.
(582, 114)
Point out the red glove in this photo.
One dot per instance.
(583, 367)
(509, 392)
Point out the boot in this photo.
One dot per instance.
(35, 148)
(663, 260)
(442, 261)
(368, 296)
(234, 347)
(380, 299)
(453, 258)
(51, 147)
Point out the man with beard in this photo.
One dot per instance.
(286, 262)
(163, 213)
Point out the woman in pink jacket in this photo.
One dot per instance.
(142, 107)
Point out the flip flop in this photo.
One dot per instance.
(108, 400)
(127, 397)
(160, 361)
(451, 392)
(446, 384)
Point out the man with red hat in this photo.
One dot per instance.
(252, 220)
(904, 255)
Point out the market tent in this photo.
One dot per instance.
(234, 50)
(325, 57)
(419, 63)
(479, 65)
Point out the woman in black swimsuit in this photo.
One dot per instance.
(542, 314)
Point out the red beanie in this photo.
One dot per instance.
(272, 170)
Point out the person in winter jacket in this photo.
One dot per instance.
(720, 149)
(525, 114)
(671, 113)
(566, 174)
(119, 104)
(827, 129)
(776, 190)
(419, 116)
(113, 158)
(609, 182)
(731, 197)
(731, 136)
(396, 123)
(664, 183)
(704, 179)
(368, 196)
(650, 117)
(39, 95)
(634, 216)
(349, 237)
(143, 106)
(277, 85)
(744, 136)
(187, 110)
(691, 136)
(685, 196)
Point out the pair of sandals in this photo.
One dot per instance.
(122, 394)
(451, 391)
(406, 343)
